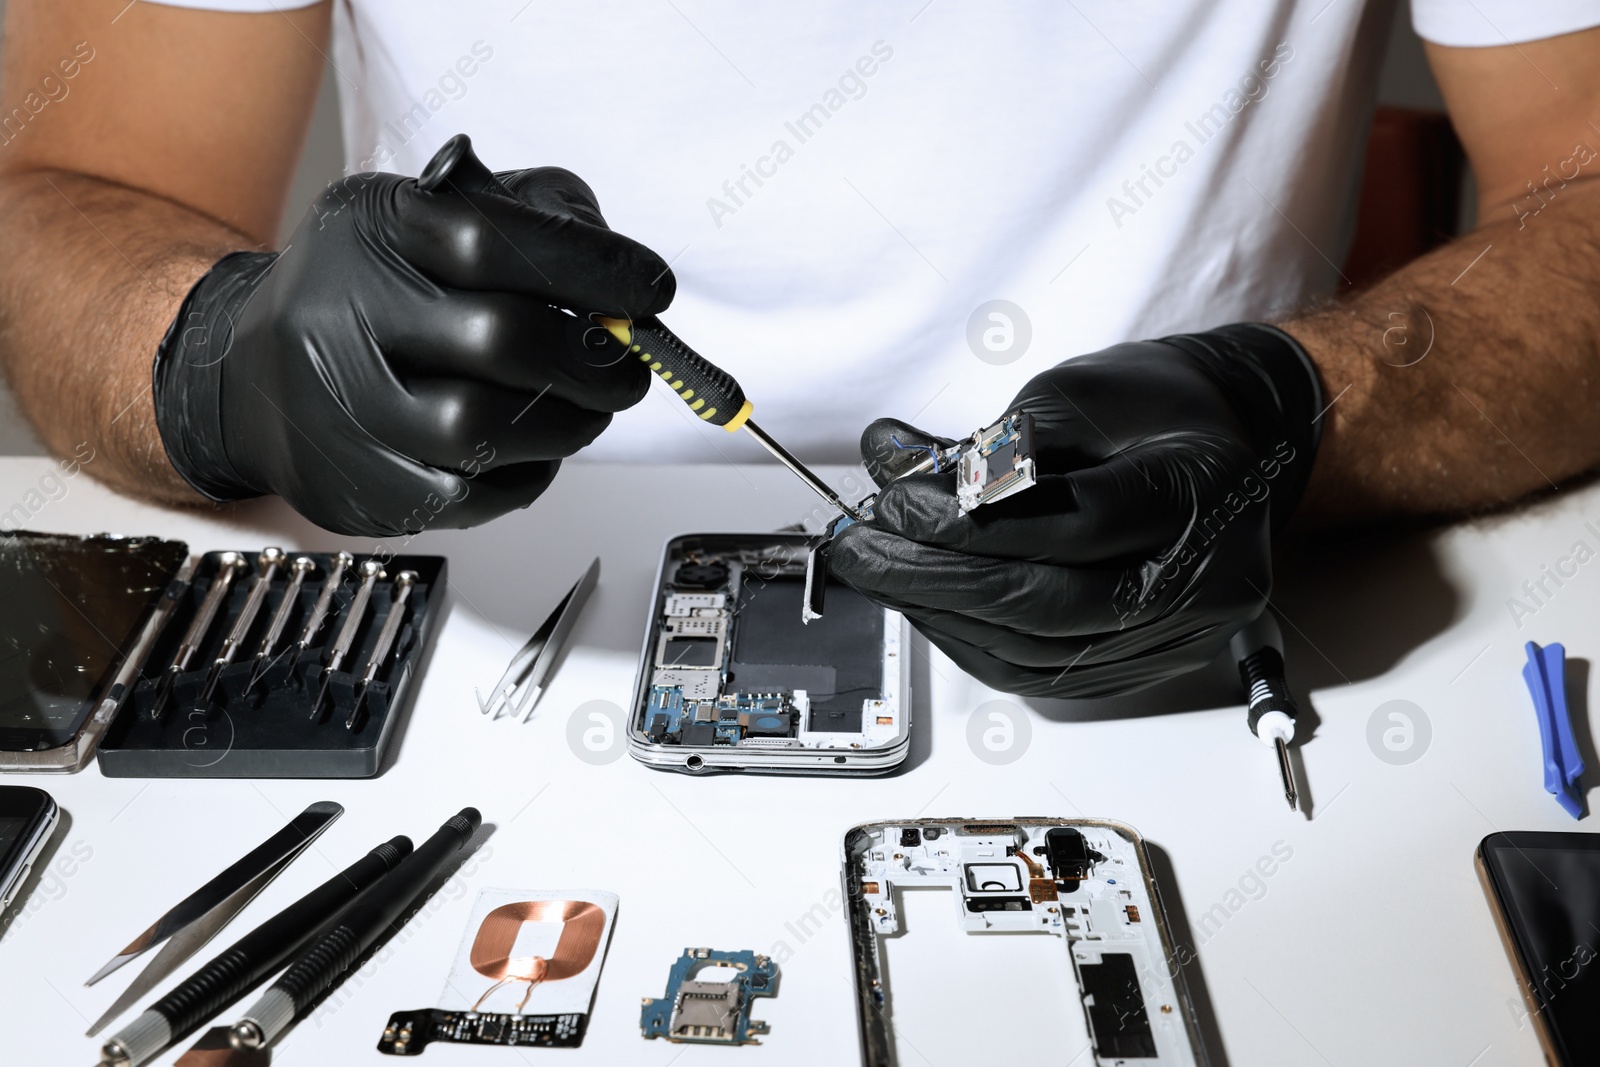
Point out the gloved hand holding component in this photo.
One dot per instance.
(1162, 468)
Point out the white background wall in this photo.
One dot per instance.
(1406, 82)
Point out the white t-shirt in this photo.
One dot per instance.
(843, 189)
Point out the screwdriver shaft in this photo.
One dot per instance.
(319, 610)
(817, 485)
(1291, 791)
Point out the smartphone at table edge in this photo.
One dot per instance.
(28, 817)
(1559, 1047)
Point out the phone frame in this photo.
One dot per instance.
(875, 1030)
(830, 762)
(1484, 864)
(42, 813)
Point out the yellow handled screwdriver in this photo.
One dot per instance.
(708, 390)
(711, 392)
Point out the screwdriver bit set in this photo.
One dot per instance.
(276, 664)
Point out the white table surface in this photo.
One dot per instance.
(1372, 944)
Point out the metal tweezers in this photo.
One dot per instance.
(197, 918)
(520, 686)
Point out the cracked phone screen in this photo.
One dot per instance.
(69, 609)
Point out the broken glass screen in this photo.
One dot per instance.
(69, 609)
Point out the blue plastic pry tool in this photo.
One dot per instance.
(1546, 675)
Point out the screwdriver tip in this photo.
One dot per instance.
(163, 694)
(210, 688)
(322, 692)
(1291, 792)
(255, 675)
(355, 709)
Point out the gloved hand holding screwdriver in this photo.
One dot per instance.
(403, 362)
(1163, 468)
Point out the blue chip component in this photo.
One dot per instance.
(664, 712)
(712, 1013)
(727, 720)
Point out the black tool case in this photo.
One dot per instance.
(270, 733)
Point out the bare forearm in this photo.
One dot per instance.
(1467, 379)
(93, 275)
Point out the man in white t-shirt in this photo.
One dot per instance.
(937, 212)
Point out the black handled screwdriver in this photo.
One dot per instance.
(354, 933)
(708, 390)
(247, 962)
(1258, 648)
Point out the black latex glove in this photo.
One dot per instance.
(1163, 467)
(403, 363)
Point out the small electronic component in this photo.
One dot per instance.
(1086, 882)
(996, 463)
(525, 975)
(409, 1032)
(992, 464)
(711, 1012)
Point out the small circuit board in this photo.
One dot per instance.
(996, 463)
(409, 1032)
(711, 1012)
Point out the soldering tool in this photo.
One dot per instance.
(1258, 648)
(708, 390)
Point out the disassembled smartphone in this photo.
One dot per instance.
(1085, 881)
(994, 463)
(731, 679)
